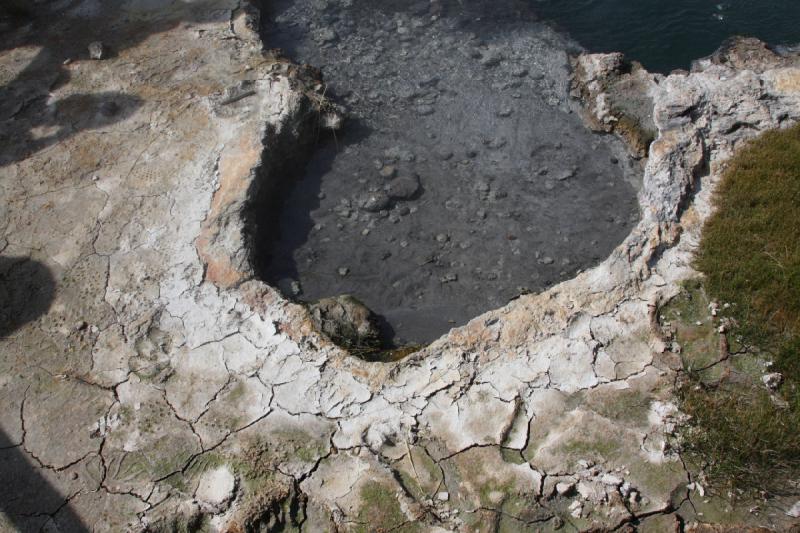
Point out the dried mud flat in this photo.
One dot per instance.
(150, 383)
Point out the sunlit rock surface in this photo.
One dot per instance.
(150, 383)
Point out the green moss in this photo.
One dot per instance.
(594, 449)
(750, 256)
(380, 510)
(488, 492)
(237, 392)
(389, 355)
(622, 405)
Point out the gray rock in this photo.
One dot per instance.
(295, 287)
(388, 172)
(772, 380)
(403, 187)
(482, 186)
(346, 321)
(325, 36)
(97, 50)
(563, 488)
(565, 175)
(491, 58)
(373, 201)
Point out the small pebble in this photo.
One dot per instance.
(97, 50)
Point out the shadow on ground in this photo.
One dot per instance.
(48, 39)
(27, 289)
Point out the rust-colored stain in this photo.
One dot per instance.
(235, 164)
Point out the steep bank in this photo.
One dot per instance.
(162, 386)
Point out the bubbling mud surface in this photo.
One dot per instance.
(462, 177)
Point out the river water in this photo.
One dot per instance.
(667, 35)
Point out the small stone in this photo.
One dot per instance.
(450, 277)
(575, 509)
(216, 488)
(97, 50)
(403, 188)
(491, 59)
(444, 155)
(482, 186)
(295, 287)
(325, 35)
(332, 121)
(388, 172)
(374, 201)
(442, 238)
(430, 79)
(546, 260)
(443, 496)
(794, 511)
(424, 110)
(505, 112)
(611, 480)
(343, 271)
(772, 380)
(565, 175)
(496, 144)
(407, 92)
(564, 487)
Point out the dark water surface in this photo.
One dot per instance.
(669, 34)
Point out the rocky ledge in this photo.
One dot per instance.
(149, 383)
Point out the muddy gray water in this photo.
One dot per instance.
(463, 176)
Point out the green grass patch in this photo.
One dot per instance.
(380, 511)
(750, 256)
(750, 251)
